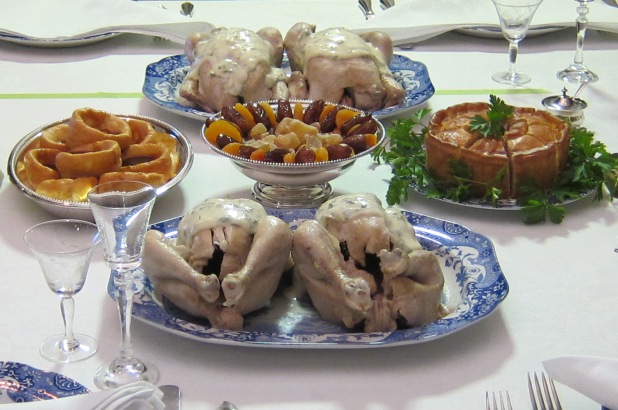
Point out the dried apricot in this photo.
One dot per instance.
(246, 114)
(224, 127)
(232, 149)
(321, 154)
(258, 155)
(344, 115)
(299, 111)
(268, 109)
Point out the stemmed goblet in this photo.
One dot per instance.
(122, 210)
(515, 17)
(578, 72)
(63, 249)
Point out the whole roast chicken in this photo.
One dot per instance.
(362, 265)
(230, 65)
(339, 66)
(226, 261)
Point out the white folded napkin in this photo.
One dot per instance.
(69, 19)
(134, 396)
(415, 20)
(594, 377)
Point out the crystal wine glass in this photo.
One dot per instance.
(515, 17)
(63, 249)
(122, 210)
(578, 72)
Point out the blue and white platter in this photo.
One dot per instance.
(163, 79)
(22, 383)
(474, 287)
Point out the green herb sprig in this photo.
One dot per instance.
(492, 126)
(590, 167)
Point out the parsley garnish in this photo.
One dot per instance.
(590, 167)
(492, 126)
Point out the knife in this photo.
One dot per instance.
(171, 396)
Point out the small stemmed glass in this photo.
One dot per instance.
(515, 17)
(122, 210)
(578, 72)
(63, 249)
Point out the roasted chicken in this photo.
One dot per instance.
(230, 65)
(361, 264)
(227, 260)
(342, 67)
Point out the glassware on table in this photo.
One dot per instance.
(578, 72)
(122, 210)
(63, 249)
(515, 17)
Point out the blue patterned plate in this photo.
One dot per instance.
(163, 79)
(474, 287)
(22, 383)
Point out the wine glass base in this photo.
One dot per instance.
(505, 77)
(577, 74)
(52, 349)
(277, 196)
(125, 371)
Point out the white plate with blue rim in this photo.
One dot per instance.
(474, 287)
(57, 42)
(22, 383)
(164, 77)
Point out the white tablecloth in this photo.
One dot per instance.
(562, 278)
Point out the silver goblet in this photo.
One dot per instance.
(578, 72)
(122, 210)
(63, 249)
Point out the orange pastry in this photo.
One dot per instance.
(90, 160)
(40, 165)
(89, 125)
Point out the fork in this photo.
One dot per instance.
(491, 403)
(543, 394)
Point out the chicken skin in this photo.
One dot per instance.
(230, 65)
(342, 67)
(227, 260)
(362, 265)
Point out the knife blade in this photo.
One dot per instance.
(171, 396)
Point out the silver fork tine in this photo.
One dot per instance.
(550, 392)
(492, 403)
(544, 394)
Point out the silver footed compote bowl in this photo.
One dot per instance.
(122, 210)
(577, 72)
(515, 17)
(63, 249)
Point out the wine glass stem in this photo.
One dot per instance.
(581, 24)
(123, 279)
(513, 50)
(67, 308)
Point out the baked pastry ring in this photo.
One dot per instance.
(140, 130)
(39, 165)
(151, 178)
(90, 160)
(66, 189)
(147, 158)
(88, 125)
(55, 137)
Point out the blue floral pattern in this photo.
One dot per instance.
(475, 286)
(163, 79)
(22, 383)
